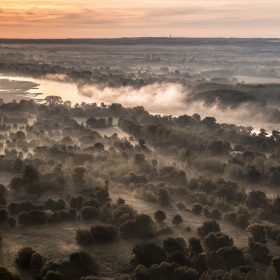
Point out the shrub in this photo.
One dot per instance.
(197, 208)
(23, 257)
(214, 241)
(36, 261)
(103, 233)
(215, 214)
(11, 222)
(84, 237)
(258, 232)
(179, 258)
(256, 199)
(195, 247)
(207, 227)
(159, 216)
(226, 258)
(53, 275)
(141, 226)
(76, 202)
(89, 213)
(34, 217)
(83, 264)
(3, 215)
(148, 254)
(276, 265)
(171, 245)
(7, 275)
(259, 252)
(182, 273)
(177, 220)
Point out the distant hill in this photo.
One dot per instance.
(145, 40)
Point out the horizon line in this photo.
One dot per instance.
(137, 37)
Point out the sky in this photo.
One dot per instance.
(139, 18)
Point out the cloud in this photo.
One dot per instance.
(146, 17)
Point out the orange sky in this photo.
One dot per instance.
(128, 18)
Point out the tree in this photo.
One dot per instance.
(226, 258)
(195, 247)
(53, 100)
(197, 208)
(3, 215)
(276, 265)
(36, 262)
(207, 227)
(177, 220)
(89, 212)
(163, 197)
(148, 254)
(82, 264)
(23, 257)
(182, 273)
(53, 275)
(179, 258)
(159, 216)
(7, 275)
(258, 232)
(84, 237)
(178, 244)
(210, 122)
(214, 241)
(78, 176)
(103, 233)
(259, 252)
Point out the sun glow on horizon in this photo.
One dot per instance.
(119, 18)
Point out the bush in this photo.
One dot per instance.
(256, 199)
(177, 220)
(258, 232)
(276, 265)
(7, 275)
(36, 262)
(207, 227)
(178, 244)
(148, 254)
(84, 237)
(226, 258)
(197, 208)
(215, 241)
(3, 215)
(179, 258)
(54, 205)
(103, 233)
(141, 226)
(159, 216)
(163, 197)
(11, 222)
(195, 247)
(76, 202)
(79, 264)
(23, 258)
(34, 217)
(182, 273)
(259, 252)
(83, 264)
(53, 275)
(215, 214)
(89, 213)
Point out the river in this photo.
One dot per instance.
(162, 99)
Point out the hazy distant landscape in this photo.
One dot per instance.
(140, 159)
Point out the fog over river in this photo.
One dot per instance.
(165, 98)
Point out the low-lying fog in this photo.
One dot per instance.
(165, 98)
